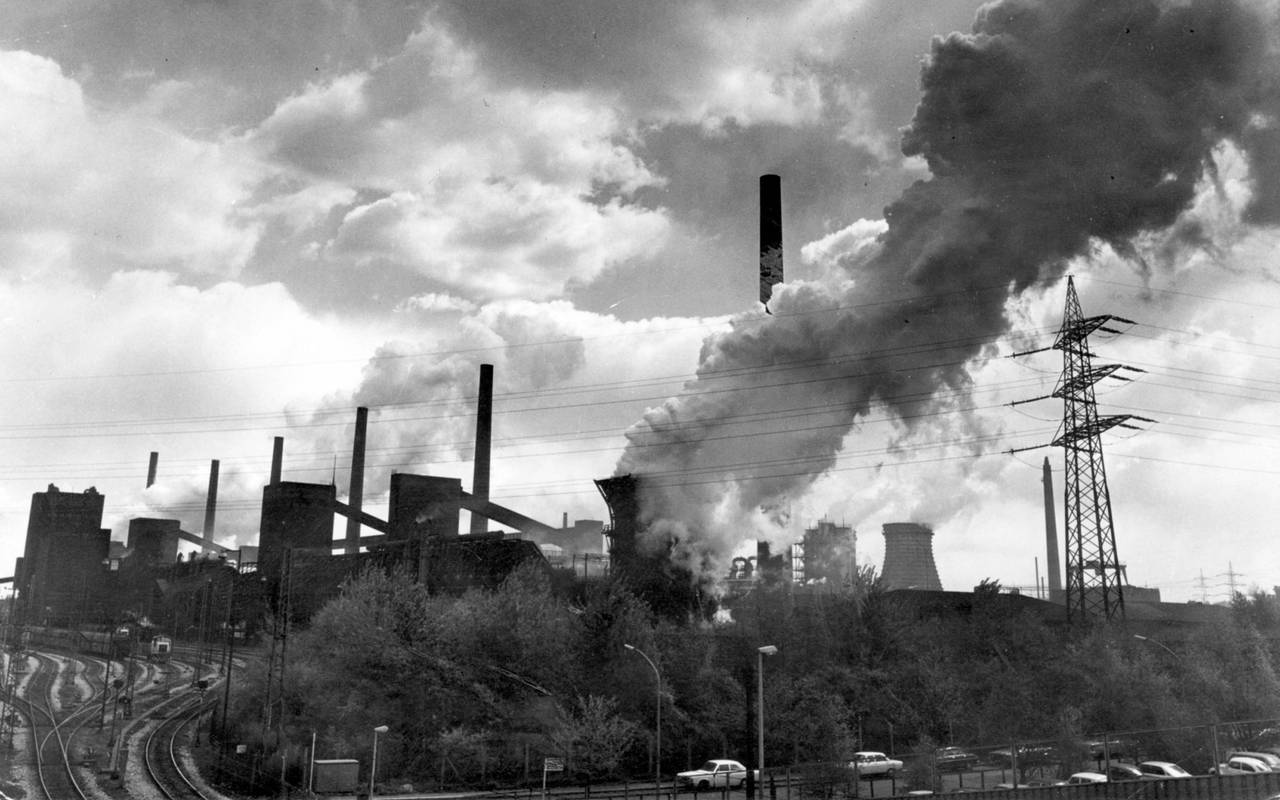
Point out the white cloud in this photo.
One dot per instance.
(483, 188)
(88, 188)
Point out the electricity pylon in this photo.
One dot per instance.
(1095, 576)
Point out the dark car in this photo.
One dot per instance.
(955, 759)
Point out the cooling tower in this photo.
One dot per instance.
(908, 557)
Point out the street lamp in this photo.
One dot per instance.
(657, 716)
(373, 766)
(1213, 728)
(761, 652)
(1157, 643)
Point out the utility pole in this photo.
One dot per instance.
(1094, 572)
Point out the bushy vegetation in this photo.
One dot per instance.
(477, 689)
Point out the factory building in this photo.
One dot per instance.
(62, 572)
(826, 556)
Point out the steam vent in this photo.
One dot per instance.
(908, 557)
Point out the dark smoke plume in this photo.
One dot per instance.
(1051, 127)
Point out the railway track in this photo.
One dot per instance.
(51, 731)
(163, 767)
(60, 752)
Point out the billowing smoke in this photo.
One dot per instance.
(1052, 127)
(422, 407)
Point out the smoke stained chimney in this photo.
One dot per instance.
(908, 557)
(211, 504)
(1051, 538)
(770, 235)
(277, 459)
(151, 468)
(356, 498)
(484, 437)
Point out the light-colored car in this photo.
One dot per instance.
(1270, 759)
(715, 773)
(1086, 777)
(1118, 771)
(870, 763)
(1240, 765)
(1163, 769)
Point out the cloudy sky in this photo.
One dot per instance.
(222, 222)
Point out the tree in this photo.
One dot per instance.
(593, 735)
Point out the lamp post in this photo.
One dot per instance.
(373, 766)
(657, 716)
(761, 652)
(1157, 643)
(1213, 728)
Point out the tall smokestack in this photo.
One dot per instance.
(1051, 537)
(484, 436)
(151, 468)
(356, 493)
(277, 459)
(770, 235)
(210, 504)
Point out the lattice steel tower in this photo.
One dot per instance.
(1094, 572)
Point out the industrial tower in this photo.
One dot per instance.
(1094, 572)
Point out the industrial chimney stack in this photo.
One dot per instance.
(1051, 538)
(770, 236)
(210, 506)
(484, 437)
(277, 459)
(356, 499)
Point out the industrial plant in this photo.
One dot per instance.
(71, 574)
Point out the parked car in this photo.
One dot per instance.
(1270, 759)
(1240, 765)
(716, 772)
(955, 759)
(1163, 769)
(1027, 756)
(870, 763)
(1123, 772)
(1104, 748)
(1086, 777)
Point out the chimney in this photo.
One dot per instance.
(908, 557)
(1051, 538)
(210, 505)
(770, 236)
(151, 468)
(484, 436)
(356, 498)
(277, 459)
